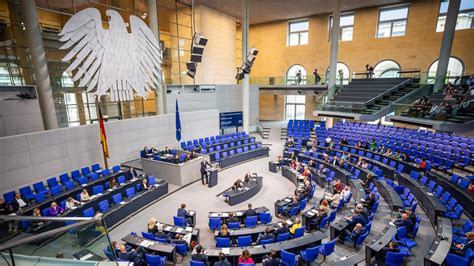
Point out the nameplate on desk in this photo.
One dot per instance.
(109, 190)
(122, 202)
(84, 185)
(99, 194)
(429, 194)
(156, 185)
(226, 251)
(246, 188)
(133, 179)
(287, 200)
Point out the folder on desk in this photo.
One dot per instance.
(226, 251)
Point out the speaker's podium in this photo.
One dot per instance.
(212, 177)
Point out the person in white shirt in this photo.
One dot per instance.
(71, 203)
(345, 193)
(85, 196)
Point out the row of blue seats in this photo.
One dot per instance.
(55, 188)
(245, 241)
(219, 156)
(213, 140)
(224, 145)
(251, 221)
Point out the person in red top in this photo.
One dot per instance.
(245, 257)
(470, 189)
(422, 165)
(293, 164)
(338, 186)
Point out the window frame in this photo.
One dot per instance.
(289, 32)
(341, 27)
(445, 14)
(392, 21)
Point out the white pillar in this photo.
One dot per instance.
(245, 82)
(446, 43)
(154, 26)
(336, 17)
(40, 65)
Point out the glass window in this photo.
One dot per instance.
(295, 107)
(298, 32)
(465, 16)
(386, 69)
(455, 69)
(392, 22)
(346, 27)
(341, 68)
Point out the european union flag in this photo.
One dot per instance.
(178, 123)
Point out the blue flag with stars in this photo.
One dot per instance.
(178, 123)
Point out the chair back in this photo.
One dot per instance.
(265, 217)
(89, 212)
(299, 232)
(233, 225)
(181, 249)
(328, 247)
(244, 241)
(251, 221)
(155, 260)
(149, 236)
(222, 242)
(394, 259)
(283, 237)
(215, 223)
(303, 204)
(266, 241)
(310, 254)
(361, 239)
(332, 216)
(179, 221)
(288, 258)
(323, 223)
(104, 205)
(196, 263)
(108, 254)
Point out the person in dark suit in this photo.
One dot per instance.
(204, 175)
(133, 173)
(18, 203)
(182, 212)
(363, 210)
(222, 260)
(404, 221)
(366, 183)
(161, 234)
(369, 203)
(392, 247)
(237, 184)
(265, 235)
(232, 219)
(152, 227)
(131, 255)
(199, 255)
(282, 230)
(354, 234)
(461, 249)
(176, 159)
(4, 208)
(250, 211)
(307, 189)
(357, 218)
(115, 248)
(295, 203)
(271, 259)
(167, 150)
(316, 220)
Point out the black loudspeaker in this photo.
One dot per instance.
(254, 51)
(191, 66)
(197, 50)
(247, 64)
(191, 73)
(196, 58)
(200, 40)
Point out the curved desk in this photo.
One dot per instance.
(249, 190)
(389, 194)
(233, 253)
(237, 214)
(440, 248)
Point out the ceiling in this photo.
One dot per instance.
(273, 10)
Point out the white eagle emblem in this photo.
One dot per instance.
(112, 60)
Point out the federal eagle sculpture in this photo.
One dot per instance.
(112, 62)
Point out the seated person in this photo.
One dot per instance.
(369, 203)
(411, 215)
(289, 142)
(114, 248)
(250, 211)
(281, 230)
(306, 172)
(392, 247)
(422, 165)
(247, 177)
(160, 233)
(293, 164)
(366, 183)
(145, 151)
(311, 163)
(404, 221)
(167, 150)
(232, 219)
(192, 155)
(334, 199)
(182, 239)
(460, 249)
(133, 173)
(85, 196)
(299, 168)
(200, 255)
(404, 157)
(354, 234)
(295, 226)
(279, 161)
(237, 184)
(18, 202)
(363, 210)
(470, 189)
(245, 258)
(322, 169)
(36, 224)
(388, 152)
(55, 210)
(222, 260)
(72, 204)
(182, 212)
(357, 218)
(224, 232)
(293, 204)
(265, 235)
(307, 189)
(345, 193)
(271, 259)
(338, 186)
(113, 183)
(299, 193)
(363, 164)
(176, 159)
(151, 226)
(145, 184)
(344, 141)
(131, 255)
(320, 215)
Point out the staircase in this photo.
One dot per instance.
(283, 134)
(265, 133)
(387, 99)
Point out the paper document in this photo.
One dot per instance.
(238, 213)
(168, 228)
(122, 203)
(192, 212)
(189, 229)
(88, 256)
(179, 230)
(226, 251)
(99, 194)
(225, 214)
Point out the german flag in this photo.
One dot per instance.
(103, 137)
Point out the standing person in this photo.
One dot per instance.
(298, 77)
(371, 71)
(204, 175)
(367, 73)
(317, 77)
(341, 76)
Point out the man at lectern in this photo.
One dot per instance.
(204, 175)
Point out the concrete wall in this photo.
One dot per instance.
(28, 158)
(218, 62)
(19, 116)
(419, 48)
(226, 98)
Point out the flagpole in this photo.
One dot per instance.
(99, 116)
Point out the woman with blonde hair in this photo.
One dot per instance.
(152, 227)
(245, 257)
(224, 232)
